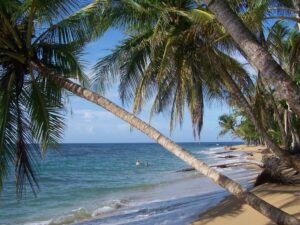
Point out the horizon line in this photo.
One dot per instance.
(150, 142)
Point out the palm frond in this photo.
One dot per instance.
(6, 126)
(44, 102)
(63, 57)
(26, 149)
(73, 27)
(125, 62)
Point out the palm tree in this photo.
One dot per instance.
(32, 107)
(259, 57)
(171, 58)
(177, 58)
(228, 124)
(284, 50)
(240, 126)
(284, 44)
(275, 214)
(26, 62)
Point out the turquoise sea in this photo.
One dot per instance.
(100, 184)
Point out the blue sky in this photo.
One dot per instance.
(88, 123)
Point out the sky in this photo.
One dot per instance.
(89, 123)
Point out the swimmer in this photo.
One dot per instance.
(137, 163)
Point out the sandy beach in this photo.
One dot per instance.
(231, 211)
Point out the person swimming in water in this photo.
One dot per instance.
(137, 163)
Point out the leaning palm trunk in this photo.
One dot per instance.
(275, 214)
(258, 56)
(289, 159)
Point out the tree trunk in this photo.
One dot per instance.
(261, 141)
(295, 144)
(276, 215)
(256, 54)
(283, 132)
(290, 160)
(286, 121)
(262, 84)
(296, 4)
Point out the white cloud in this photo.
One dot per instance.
(89, 123)
(92, 115)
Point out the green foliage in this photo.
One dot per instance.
(239, 125)
(174, 56)
(227, 123)
(51, 33)
(247, 131)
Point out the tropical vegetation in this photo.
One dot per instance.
(176, 54)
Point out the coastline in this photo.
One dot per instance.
(234, 212)
(157, 194)
(190, 204)
(124, 193)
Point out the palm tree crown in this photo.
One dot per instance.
(51, 33)
(174, 54)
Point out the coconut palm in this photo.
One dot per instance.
(275, 40)
(32, 107)
(275, 214)
(239, 125)
(259, 57)
(173, 59)
(255, 14)
(284, 44)
(228, 124)
(177, 58)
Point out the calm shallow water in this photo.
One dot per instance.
(100, 184)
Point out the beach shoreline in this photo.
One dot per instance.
(156, 194)
(232, 211)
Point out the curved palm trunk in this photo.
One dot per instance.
(290, 160)
(275, 214)
(256, 54)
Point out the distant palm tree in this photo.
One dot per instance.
(32, 113)
(228, 124)
(239, 125)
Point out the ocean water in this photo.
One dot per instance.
(100, 184)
